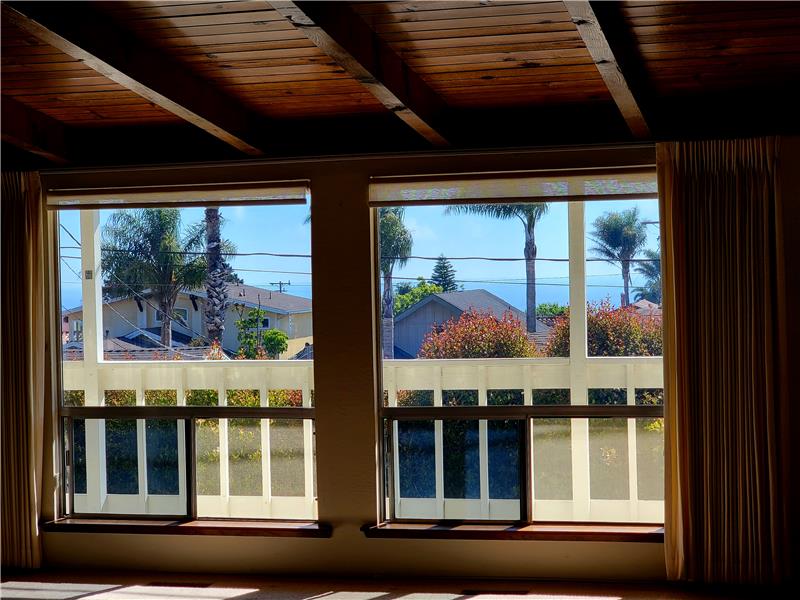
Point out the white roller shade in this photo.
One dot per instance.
(514, 187)
(272, 192)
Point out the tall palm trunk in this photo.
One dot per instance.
(530, 279)
(166, 323)
(216, 286)
(387, 321)
(626, 282)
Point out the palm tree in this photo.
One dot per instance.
(650, 269)
(529, 214)
(147, 249)
(619, 236)
(395, 244)
(217, 278)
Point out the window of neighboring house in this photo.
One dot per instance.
(536, 308)
(178, 313)
(259, 464)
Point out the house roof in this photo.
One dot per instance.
(463, 300)
(481, 300)
(248, 295)
(267, 299)
(647, 308)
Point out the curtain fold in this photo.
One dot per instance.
(26, 367)
(726, 444)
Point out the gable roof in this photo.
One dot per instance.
(248, 295)
(464, 300)
(268, 299)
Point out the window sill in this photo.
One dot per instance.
(308, 529)
(550, 532)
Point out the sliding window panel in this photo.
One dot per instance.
(255, 468)
(128, 467)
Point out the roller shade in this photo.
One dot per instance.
(514, 187)
(272, 192)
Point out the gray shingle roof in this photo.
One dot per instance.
(243, 294)
(480, 300)
(269, 299)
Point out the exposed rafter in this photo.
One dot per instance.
(116, 54)
(602, 51)
(341, 33)
(33, 131)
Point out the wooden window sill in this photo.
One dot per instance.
(549, 532)
(310, 529)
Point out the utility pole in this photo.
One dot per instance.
(280, 284)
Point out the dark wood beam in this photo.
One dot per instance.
(603, 53)
(101, 44)
(33, 131)
(341, 34)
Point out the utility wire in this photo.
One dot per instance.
(69, 266)
(137, 294)
(136, 327)
(69, 233)
(410, 257)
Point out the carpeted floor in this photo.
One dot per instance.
(74, 585)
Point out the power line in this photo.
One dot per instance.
(410, 257)
(136, 327)
(69, 266)
(69, 233)
(135, 293)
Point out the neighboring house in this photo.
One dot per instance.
(137, 320)
(413, 324)
(647, 309)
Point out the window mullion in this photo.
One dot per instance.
(577, 358)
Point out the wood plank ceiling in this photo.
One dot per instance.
(216, 79)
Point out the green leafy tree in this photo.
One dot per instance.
(148, 250)
(650, 269)
(550, 309)
(422, 290)
(274, 342)
(619, 237)
(395, 244)
(403, 288)
(529, 215)
(444, 275)
(256, 342)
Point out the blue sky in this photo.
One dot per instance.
(281, 229)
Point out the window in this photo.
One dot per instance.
(160, 419)
(520, 338)
(180, 314)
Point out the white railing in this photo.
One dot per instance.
(183, 376)
(527, 375)
(482, 376)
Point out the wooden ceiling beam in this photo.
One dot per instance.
(33, 131)
(344, 36)
(601, 46)
(101, 44)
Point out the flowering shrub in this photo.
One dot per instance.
(478, 335)
(610, 332)
(214, 351)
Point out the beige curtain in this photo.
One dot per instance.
(26, 367)
(727, 439)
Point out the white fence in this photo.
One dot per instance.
(527, 375)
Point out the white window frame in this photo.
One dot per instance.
(184, 312)
(579, 373)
